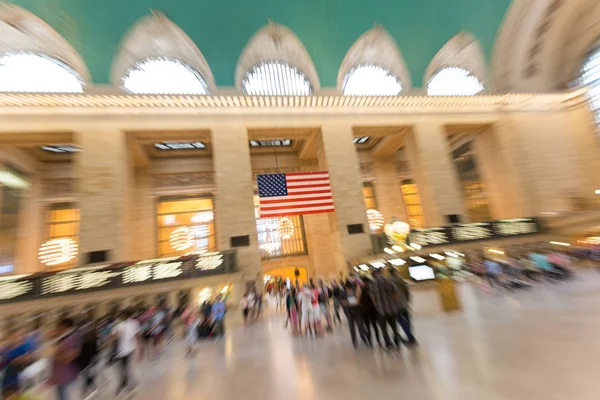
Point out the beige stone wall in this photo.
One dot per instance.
(103, 175)
(143, 217)
(340, 158)
(234, 197)
(387, 189)
(434, 172)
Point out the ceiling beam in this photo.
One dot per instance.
(310, 148)
(35, 139)
(389, 144)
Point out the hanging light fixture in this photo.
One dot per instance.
(181, 239)
(375, 219)
(57, 251)
(285, 228)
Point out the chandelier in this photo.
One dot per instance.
(181, 239)
(375, 219)
(57, 251)
(285, 228)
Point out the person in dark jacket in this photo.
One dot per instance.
(351, 304)
(403, 306)
(369, 314)
(88, 355)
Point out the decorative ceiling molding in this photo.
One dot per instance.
(511, 39)
(376, 47)
(582, 33)
(463, 51)
(22, 31)
(13, 104)
(275, 42)
(157, 36)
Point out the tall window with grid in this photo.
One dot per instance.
(63, 223)
(185, 225)
(412, 202)
(369, 196)
(280, 236)
(472, 186)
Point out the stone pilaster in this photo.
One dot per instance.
(30, 228)
(104, 175)
(338, 156)
(143, 217)
(387, 190)
(234, 197)
(434, 173)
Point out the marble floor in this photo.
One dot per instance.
(534, 345)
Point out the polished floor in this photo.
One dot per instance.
(533, 345)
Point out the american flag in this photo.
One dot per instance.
(294, 194)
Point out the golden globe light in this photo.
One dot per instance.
(397, 232)
(58, 251)
(285, 228)
(375, 219)
(181, 239)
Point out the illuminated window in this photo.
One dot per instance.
(185, 225)
(164, 76)
(453, 81)
(412, 202)
(473, 189)
(29, 72)
(369, 196)
(371, 80)
(63, 223)
(589, 76)
(360, 139)
(275, 78)
(280, 236)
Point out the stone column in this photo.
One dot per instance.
(143, 216)
(387, 190)
(103, 174)
(434, 173)
(234, 199)
(30, 228)
(496, 161)
(338, 156)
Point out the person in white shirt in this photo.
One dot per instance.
(127, 334)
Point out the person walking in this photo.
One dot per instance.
(337, 292)
(369, 313)
(385, 297)
(351, 304)
(88, 356)
(127, 335)
(324, 306)
(64, 360)
(403, 306)
(218, 315)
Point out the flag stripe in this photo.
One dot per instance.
(297, 211)
(295, 203)
(269, 200)
(304, 195)
(308, 182)
(309, 188)
(311, 179)
(295, 174)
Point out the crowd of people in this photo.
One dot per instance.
(82, 349)
(373, 307)
(522, 271)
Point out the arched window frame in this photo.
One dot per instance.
(276, 86)
(185, 89)
(381, 91)
(468, 75)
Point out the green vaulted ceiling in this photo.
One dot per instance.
(327, 28)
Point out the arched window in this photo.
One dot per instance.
(412, 202)
(453, 81)
(37, 73)
(371, 80)
(589, 76)
(163, 76)
(276, 78)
